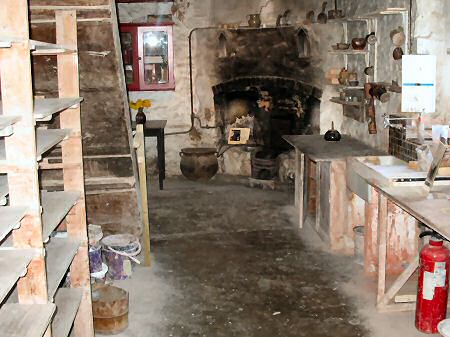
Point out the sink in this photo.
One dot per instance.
(382, 171)
(381, 160)
(386, 171)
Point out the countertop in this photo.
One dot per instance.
(318, 149)
(433, 209)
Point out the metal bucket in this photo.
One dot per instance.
(359, 244)
(119, 252)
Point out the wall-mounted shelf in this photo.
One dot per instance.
(347, 87)
(349, 52)
(343, 102)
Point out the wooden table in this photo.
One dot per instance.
(431, 209)
(155, 128)
(331, 184)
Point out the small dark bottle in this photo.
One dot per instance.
(140, 116)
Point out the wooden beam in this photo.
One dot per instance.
(70, 8)
(140, 150)
(72, 155)
(382, 245)
(371, 234)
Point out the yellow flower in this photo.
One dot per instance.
(146, 103)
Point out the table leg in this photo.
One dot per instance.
(382, 245)
(318, 213)
(371, 234)
(160, 141)
(299, 179)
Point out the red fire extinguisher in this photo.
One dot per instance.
(432, 290)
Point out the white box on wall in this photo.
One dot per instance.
(419, 83)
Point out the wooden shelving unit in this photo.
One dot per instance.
(38, 262)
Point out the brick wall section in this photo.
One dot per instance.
(400, 147)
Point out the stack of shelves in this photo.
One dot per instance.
(37, 262)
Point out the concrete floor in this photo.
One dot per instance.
(228, 261)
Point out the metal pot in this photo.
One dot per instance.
(199, 164)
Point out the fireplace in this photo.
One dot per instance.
(265, 86)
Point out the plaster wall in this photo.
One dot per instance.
(175, 105)
(429, 35)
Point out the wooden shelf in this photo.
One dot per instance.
(45, 48)
(67, 301)
(25, 320)
(46, 139)
(55, 206)
(5, 44)
(347, 87)
(6, 123)
(340, 101)
(349, 52)
(14, 263)
(44, 108)
(3, 189)
(60, 253)
(10, 217)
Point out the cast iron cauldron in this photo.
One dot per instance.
(199, 164)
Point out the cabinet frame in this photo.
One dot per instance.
(137, 31)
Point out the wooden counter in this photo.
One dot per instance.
(331, 194)
(389, 238)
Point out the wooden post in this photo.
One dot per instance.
(72, 154)
(382, 224)
(371, 234)
(339, 227)
(299, 185)
(140, 150)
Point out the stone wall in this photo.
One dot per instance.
(175, 105)
(431, 21)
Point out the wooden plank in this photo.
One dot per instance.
(5, 44)
(46, 48)
(19, 320)
(55, 206)
(371, 235)
(70, 8)
(44, 108)
(299, 183)
(400, 282)
(67, 301)
(60, 253)
(13, 263)
(340, 228)
(72, 155)
(10, 217)
(382, 245)
(3, 189)
(6, 123)
(140, 150)
(47, 139)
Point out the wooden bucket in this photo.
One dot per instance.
(110, 309)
